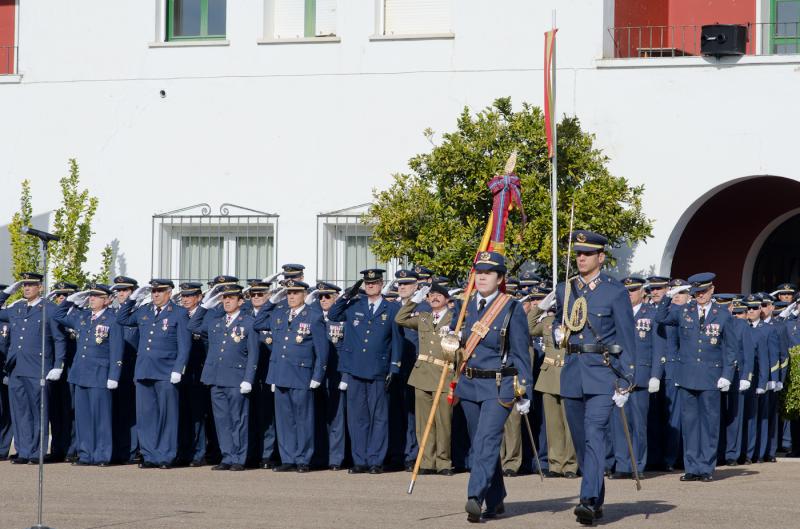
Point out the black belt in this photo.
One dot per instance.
(472, 372)
(577, 349)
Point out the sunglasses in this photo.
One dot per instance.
(753, 308)
(258, 294)
(325, 296)
(586, 253)
(164, 289)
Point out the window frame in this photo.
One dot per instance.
(776, 40)
(170, 35)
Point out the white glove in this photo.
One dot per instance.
(677, 290)
(454, 291)
(174, 377)
(744, 385)
(778, 386)
(314, 384)
(342, 386)
(278, 295)
(211, 293)
(312, 297)
(5, 381)
(245, 388)
(785, 313)
(760, 391)
(271, 278)
(54, 374)
(723, 384)
(387, 288)
(212, 302)
(523, 406)
(620, 398)
(653, 385)
(176, 297)
(272, 387)
(10, 289)
(112, 384)
(419, 295)
(548, 301)
(558, 334)
(771, 385)
(78, 298)
(141, 293)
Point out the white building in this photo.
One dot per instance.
(293, 108)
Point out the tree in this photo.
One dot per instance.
(25, 254)
(436, 214)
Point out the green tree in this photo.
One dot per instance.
(106, 262)
(436, 214)
(25, 254)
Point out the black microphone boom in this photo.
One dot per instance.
(43, 235)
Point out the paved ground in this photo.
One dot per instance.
(756, 496)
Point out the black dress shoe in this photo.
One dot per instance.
(621, 475)
(510, 473)
(409, 466)
(19, 461)
(357, 469)
(491, 514)
(71, 458)
(165, 466)
(102, 465)
(748, 461)
(147, 464)
(607, 474)
(303, 469)
(706, 478)
(731, 463)
(285, 467)
(690, 477)
(335, 468)
(221, 466)
(570, 475)
(770, 459)
(585, 514)
(197, 463)
(473, 509)
(54, 459)
(426, 471)
(446, 472)
(553, 474)
(268, 464)
(669, 468)
(80, 463)
(376, 469)
(237, 467)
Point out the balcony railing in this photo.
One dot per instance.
(8, 60)
(763, 38)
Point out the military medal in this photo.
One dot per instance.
(4, 331)
(335, 333)
(100, 332)
(383, 316)
(165, 324)
(268, 338)
(298, 338)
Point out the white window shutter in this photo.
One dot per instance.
(326, 18)
(290, 19)
(417, 17)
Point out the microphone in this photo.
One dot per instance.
(43, 235)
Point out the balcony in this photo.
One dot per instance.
(653, 42)
(8, 60)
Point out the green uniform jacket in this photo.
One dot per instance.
(426, 373)
(549, 380)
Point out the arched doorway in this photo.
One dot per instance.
(778, 259)
(726, 230)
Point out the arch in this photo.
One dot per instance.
(758, 244)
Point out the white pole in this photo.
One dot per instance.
(554, 168)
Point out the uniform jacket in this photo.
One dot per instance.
(233, 350)
(99, 345)
(335, 332)
(745, 350)
(649, 347)
(760, 340)
(25, 338)
(609, 322)
(773, 344)
(164, 341)
(425, 374)
(549, 379)
(199, 349)
(372, 342)
(299, 348)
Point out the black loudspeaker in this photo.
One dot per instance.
(720, 40)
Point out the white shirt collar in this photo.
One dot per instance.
(230, 317)
(99, 313)
(38, 300)
(440, 314)
(377, 303)
(488, 299)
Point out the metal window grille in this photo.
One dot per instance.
(191, 244)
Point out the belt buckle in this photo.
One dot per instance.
(468, 372)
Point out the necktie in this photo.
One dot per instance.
(158, 311)
(481, 305)
(702, 317)
(227, 319)
(291, 316)
(371, 309)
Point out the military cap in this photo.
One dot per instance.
(291, 270)
(372, 275)
(678, 282)
(633, 282)
(512, 284)
(98, 289)
(223, 280)
(294, 285)
(766, 299)
(724, 299)
(327, 288)
(587, 241)
(423, 272)
(752, 301)
(537, 293)
(657, 281)
(702, 281)
(781, 304)
(232, 290)
(64, 287)
(785, 288)
(528, 279)
(439, 289)
(405, 276)
(31, 277)
(441, 280)
(123, 282)
(191, 288)
(738, 307)
(162, 283)
(392, 295)
(258, 285)
(491, 262)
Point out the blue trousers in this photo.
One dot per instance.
(367, 420)
(24, 397)
(93, 424)
(157, 420)
(749, 412)
(294, 416)
(485, 422)
(195, 407)
(335, 420)
(411, 446)
(731, 425)
(762, 425)
(126, 438)
(636, 410)
(231, 417)
(674, 439)
(700, 425)
(589, 420)
(264, 435)
(61, 416)
(5, 422)
(772, 424)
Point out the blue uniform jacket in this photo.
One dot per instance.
(759, 338)
(335, 331)
(609, 322)
(773, 345)
(299, 349)
(746, 350)
(650, 348)
(706, 353)
(4, 338)
(487, 354)
(199, 350)
(372, 342)
(94, 363)
(25, 338)
(232, 350)
(164, 341)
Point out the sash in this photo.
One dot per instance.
(481, 328)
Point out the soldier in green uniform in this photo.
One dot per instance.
(431, 324)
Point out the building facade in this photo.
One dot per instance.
(230, 137)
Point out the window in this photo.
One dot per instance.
(196, 19)
(785, 27)
(8, 48)
(417, 17)
(296, 19)
(190, 244)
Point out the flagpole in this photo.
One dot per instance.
(554, 167)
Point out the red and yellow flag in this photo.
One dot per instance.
(549, 96)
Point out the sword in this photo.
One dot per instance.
(634, 466)
(533, 445)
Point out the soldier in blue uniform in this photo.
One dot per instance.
(401, 405)
(779, 357)
(370, 359)
(5, 409)
(599, 367)
(95, 370)
(787, 293)
(23, 362)
(755, 401)
(60, 394)
(657, 416)
(164, 347)
(494, 377)
(707, 356)
(647, 360)
(229, 369)
(297, 367)
(733, 402)
(123, 399)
